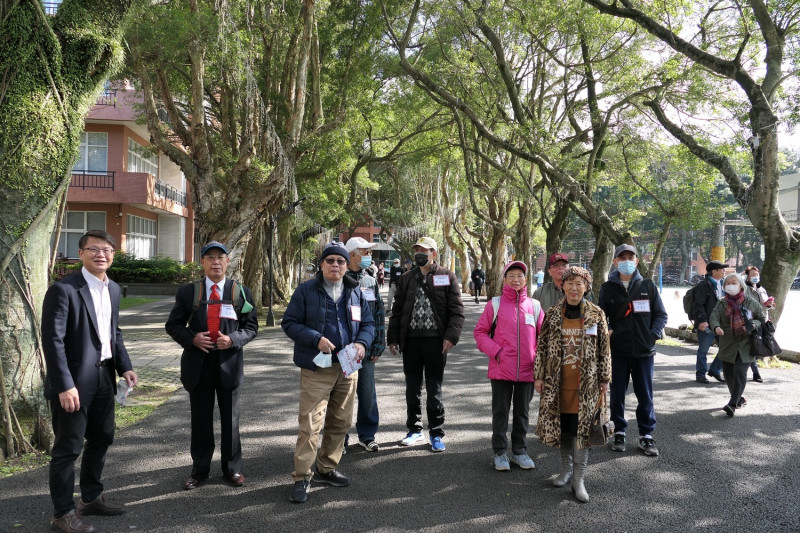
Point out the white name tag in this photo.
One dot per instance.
(442, 280)
(591, 330)
(369, 294)
(355, 313)
(530, 319)
(641, 306)
(227, 311)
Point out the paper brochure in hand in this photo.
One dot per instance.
(348, 358)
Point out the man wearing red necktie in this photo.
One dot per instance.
(212, 327)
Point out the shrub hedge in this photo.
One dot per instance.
(127, 269)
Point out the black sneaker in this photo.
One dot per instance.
(619, 443)
(729, 410)
(331, 478)
(300, 490)
(741, 403)
(648, 446)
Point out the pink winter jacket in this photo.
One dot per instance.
(512, 351)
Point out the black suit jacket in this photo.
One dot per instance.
(182, 330)
(70, 339)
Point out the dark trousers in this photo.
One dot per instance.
(202, 405)
(423, 356)
(94, 423)
(640, 371)
(736, 379)
(503, 394)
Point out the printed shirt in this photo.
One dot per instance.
(571, 355)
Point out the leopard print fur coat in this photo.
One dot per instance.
(595, 369)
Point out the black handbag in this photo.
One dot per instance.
(763, 342)
(602, 428)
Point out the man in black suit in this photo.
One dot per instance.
(83, 349)
(213, 361)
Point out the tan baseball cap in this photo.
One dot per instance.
(427, 242)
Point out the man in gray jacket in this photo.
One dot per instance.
(550, 293)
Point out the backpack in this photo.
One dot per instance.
(688, 301)
(236, 291)
(496, 309)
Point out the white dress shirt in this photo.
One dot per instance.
(101, 299)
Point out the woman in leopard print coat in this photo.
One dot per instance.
(593, 358)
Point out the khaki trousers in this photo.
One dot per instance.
(323, 393)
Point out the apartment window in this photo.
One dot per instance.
(376, 237)
(93, 153)
(141, 237)
(140, 159)
(76, 223)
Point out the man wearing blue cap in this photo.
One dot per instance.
(213, 319)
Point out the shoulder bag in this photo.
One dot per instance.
(602, 428)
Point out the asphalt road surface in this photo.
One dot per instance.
(713, 474)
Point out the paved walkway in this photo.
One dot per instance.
(714, 473)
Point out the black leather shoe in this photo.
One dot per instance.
(729, 410)
(194, 482)
(717, 376)
(703, 379)
(72, 523)
(742, 402)
(331, 478)
(300, 490)
(757, 378)
(100, 506)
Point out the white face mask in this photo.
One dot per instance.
(733, 290)
(323, 360)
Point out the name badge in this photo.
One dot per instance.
(591, 330)
(227, 311)
(369, 294)
(442, 280)
(530, 319)
(641, 306)
(355, 313)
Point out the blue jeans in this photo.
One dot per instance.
(704, 341)
(367, 414)
(641, 370)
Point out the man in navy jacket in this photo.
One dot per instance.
(83, 350)
(636, 318)
(325, 315)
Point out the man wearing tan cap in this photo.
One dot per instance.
(427, 316)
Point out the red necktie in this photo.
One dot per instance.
(213, 315)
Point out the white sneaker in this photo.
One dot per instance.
(412, 438)
(501, 463)
(523, 461)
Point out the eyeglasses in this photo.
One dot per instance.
(97, 251)
(332, 261)
(215, 258)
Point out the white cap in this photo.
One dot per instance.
(426, 242)
(355, 243)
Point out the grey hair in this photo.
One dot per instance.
(738, 279)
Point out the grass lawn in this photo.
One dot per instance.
(132, 301)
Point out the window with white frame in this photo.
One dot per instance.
(140, 159)
(75, 224)
(93, 153)
(141, 237)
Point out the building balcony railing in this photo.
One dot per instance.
(790, 215)
(170, 193)
(109, 97)
(92, 180)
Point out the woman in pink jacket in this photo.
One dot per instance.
(510, 342)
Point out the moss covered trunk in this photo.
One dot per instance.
(51, 70)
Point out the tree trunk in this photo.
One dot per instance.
(601, 260)
(52, 70)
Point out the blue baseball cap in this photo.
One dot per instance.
(213, 244)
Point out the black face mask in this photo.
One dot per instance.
(421, 259)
